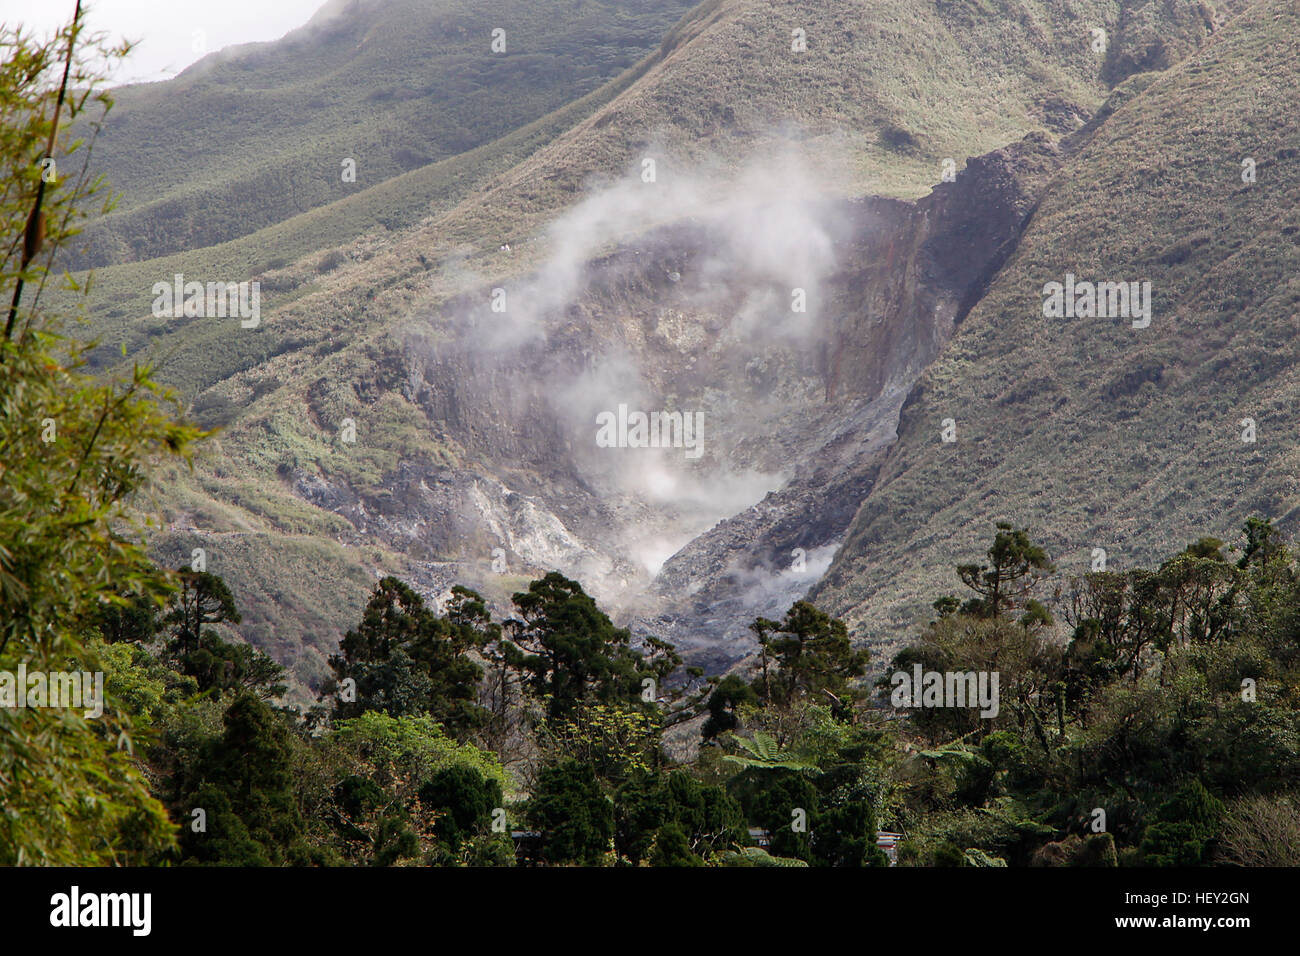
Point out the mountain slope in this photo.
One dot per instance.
(1091, 432)
(252, 135)
(474, 429)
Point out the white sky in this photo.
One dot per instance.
(166, 29)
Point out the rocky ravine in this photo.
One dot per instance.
(798, 407)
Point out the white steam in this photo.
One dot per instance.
(707, 320)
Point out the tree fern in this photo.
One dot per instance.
(764, 752)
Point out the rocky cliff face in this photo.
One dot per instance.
(914, 271)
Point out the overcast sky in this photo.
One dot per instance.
(168, 30)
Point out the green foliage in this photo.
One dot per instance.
(243, 781)
(845, 835)
(1098, 850)
(570, 652)
(1184, 828)
(1014, 568)
(227, 840)
(827, 818)
(757, 856)
(1025, 658)
(572, 811)
(409, 750)
(671, 848)
(222, 665)
(708, 820)
(405, 660)
(948, 854)
(1173, 683)
(977, 857)
(74, 453)
(132, 618)
(145, 687)
(201, 599)
(465, 801)
(764, 752)
(731, 692)
(399, 790)
(784, 803)
(806, 655)
(616, 741)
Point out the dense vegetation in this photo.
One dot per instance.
(1157, 723)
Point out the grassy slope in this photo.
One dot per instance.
(285, 257)
(252, 136)
(897, 87)
(900, 86)
(1090, 432)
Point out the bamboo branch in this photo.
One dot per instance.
(34, 233)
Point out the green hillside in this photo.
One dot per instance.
(855, 95)
(1090, 432)
(254, 135)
